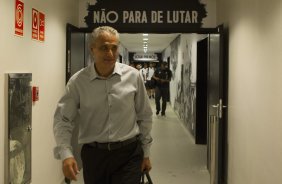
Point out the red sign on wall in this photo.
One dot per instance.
(41, 26)
(35, 27)
(19, 17)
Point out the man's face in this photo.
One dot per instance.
(105, 50)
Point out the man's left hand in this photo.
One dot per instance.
(146, 164)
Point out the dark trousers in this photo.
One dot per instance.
(120, 166)
(161, 93)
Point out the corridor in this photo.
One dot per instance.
(174, 156)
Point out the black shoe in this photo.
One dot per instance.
(150, 97)
(163, 113)
(153, 96)
(157, 113)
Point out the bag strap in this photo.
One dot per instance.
(149, 178)
(142, 179)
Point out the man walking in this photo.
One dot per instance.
(109, 101)
(162, 76)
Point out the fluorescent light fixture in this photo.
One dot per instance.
(145, 34)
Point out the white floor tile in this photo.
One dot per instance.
(175, 157)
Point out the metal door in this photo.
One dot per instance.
(216, 99)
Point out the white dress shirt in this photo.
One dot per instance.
(150, 73)
(113, 109)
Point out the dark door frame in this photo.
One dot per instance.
(73, 29)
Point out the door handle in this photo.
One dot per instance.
(219, 107)
(216, 106)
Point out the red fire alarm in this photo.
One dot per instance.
(35, 93)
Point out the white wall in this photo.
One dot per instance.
(255, 89)
(46, 62)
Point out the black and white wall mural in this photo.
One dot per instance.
(182, 53)
(187, 92)
(174, 55)
(19, 128)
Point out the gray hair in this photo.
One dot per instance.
(99, 30)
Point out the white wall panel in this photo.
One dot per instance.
(255, 90)
(46, 62)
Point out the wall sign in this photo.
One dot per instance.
(146, 14)
(34, 24)
(38, 25)
(19, 17)
(41, 26)
(145, 57)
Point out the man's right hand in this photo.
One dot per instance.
(70, 168)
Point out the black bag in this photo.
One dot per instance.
(148, 178)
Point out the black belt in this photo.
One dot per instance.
(113, 145)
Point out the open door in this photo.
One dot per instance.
(76, 49)
(215, 107)
(201, 92)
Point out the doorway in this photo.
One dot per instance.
(213, 105)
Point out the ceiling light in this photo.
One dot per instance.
(145, 39)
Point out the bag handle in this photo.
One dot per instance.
(149, 177)
(146, 173)
(142, 179)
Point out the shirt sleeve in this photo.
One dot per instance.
(63, 125)
(144, 117)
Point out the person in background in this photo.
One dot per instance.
(139, 67)
(143, 73)
(114, 117)
(150, 84)
(162, 76)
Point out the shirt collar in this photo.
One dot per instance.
(94, 74)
